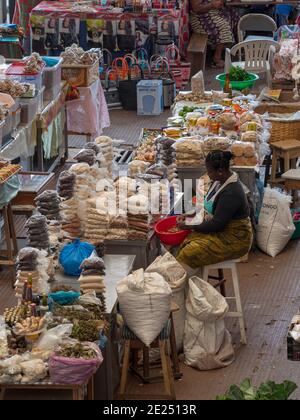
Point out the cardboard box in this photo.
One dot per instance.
(150, 97)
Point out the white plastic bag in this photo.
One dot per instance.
(275, 225)
(53, 337)
(145, 303)
(173, 272)
(207, 343)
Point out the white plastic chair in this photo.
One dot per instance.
(259, 56)
(256, 22)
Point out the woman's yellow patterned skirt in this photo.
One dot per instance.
(200, 249)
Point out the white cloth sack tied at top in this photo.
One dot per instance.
(207, 343)
(275, 225)
(145, 304)
(176, 276)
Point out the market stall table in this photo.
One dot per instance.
(78, 391)
(106, 378)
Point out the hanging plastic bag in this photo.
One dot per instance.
(275, 225)
(72, 256)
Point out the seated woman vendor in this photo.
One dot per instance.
(211, 17)
(226, 233)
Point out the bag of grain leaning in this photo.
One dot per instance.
(275, 225)
(175, 275)
(207, 343)
(145, 304)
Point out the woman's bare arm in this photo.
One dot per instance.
(199, 7)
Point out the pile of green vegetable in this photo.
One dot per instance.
(238, 74)
(87, 330)
(269, 391)
(186, 110)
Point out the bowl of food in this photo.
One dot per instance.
(169, 233)
(240, 79)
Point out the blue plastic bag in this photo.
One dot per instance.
(72, 256)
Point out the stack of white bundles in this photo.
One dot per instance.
(32, 265)
(55, 233)
(138, 217)
(84, 187)
(137, 167)
(125, 187)
(189, 152)
(71, 224)
(107, 149)
(118, 228)
(97, 219)
(92, 276)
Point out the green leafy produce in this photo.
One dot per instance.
(238, 74)
(186, 110)
(269, 391)
(87, 330)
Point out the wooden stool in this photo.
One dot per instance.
(7, 256)
(145, 376)
(289, 151)
(163, 343)
(292, 182)
(231, 265)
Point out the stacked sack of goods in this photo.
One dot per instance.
(32, 264)
(97, 217)
(107, 149)
(71, 225)
(48, 204)
(189, 152)
(138, 217)
(92, 278)
(37, 232)
(166, 154)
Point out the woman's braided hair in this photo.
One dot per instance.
(218, 159)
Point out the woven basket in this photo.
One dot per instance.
(281, 130)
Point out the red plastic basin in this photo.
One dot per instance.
(162, 227)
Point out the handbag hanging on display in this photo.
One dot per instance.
(181, 70)
(128, 91)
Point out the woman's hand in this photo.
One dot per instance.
(181, 223)
(217, 4)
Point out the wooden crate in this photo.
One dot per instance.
(80, 75)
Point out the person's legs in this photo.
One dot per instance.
(219, 63)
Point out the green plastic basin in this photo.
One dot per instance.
(247, 84)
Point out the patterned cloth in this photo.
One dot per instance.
(22, 13)
(217, 24)
(184, 31)
(200, 249)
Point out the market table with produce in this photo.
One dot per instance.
(101, 383)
